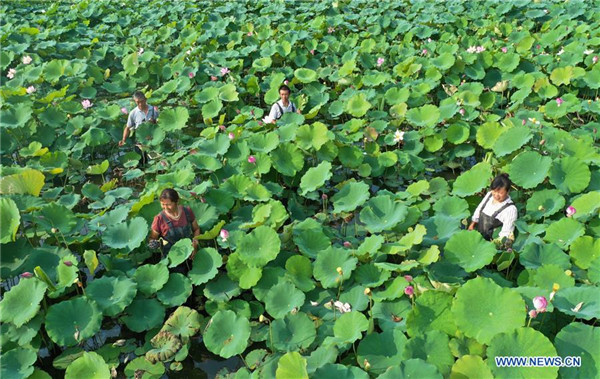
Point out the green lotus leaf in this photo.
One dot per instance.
(73, 321)
(535, 255)
(457, 133)
(287, 159)
(171, 120)
(546, 276)
(259, 247)
(291, 365)
(262, 64)
(443, 61)
(507, 62)
(381, 350)
(412, 368)
(184, 322)
(16, 116)
(586, 205)
(282, 298)
(350, 196)
(305, 75)
(34, 149)
(370, 245)
(90, 365)
(18, 363)
(391, 314)
(394, 288)
(584, 251)
(511, 140)
(452, 207)
(331, 370)
(246, 276)
(357, 105)
(349, 326)
(382, 213)
(207, 94)
(221, 289)
(166, 346)
(433, 348)
(126, 235)
(522, 342)
(144, 314)
(95, 137)
(180, 251)
(97, 169)
(10, 219)
(327, 262)
(176, 291)
(293, 332)
(312, 136)
(264, 143)
(432, 311)
(151, 278)
(470, 366)
(22, 335)
(396, 95)
(473, 180)
(579, 340)
(227, 334)
(425, 116)
(151, 371)
(564, 232)
(529, 169)
(469, 250)
(499, 310)
(570, 175)
(58, 217)
(211, 109)
(28, 181)
(228, 93)
(562, 75)
(299, 269)
(581, 302)
(111, 294)
(22, 302)
(315, 177)
(544, 203)
(308, 235)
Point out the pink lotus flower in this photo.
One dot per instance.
(312, 51)
(559, 101)
(424, 52)
(380, 61)
(538, 46)
(213, 78)
(408, 278)
(249, 34)
(571, 211)
(324, 196)
(68, 263)
(26, 59)
(504, 49)
(224, 71)
(479, 49)
(461, 111)
(11, 73)
(86, 104)
(222, 128)
(191, 75)
(30, 89)
(231, 136)
(409, 290)
(540, 303)
(141, 51)
(594, 59)
(252, 159)
(124, 110)
(533, 313)
(26, 275)
(224, 235)
(330, 29)
(523, 122)
(286, 82)
(347, 244)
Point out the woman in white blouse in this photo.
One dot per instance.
(495, 210)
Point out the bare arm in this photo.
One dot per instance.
(125, 135)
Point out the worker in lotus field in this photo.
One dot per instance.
(496, 210)
(143, 112)
(283, 105)
(175, 222)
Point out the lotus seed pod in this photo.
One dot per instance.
(368, 291)
(367, 365)
(569, 272)
(555, 287)
(339, 271)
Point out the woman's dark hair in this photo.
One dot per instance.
(286, 88)
(501, 181)
(139, 95)
(169, 194)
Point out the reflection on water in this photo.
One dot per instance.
(201, 363)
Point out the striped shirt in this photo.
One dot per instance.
(508, 216)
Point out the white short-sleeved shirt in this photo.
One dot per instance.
(276, 114)
(137, 116)
(508, 216)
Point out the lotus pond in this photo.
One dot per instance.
(346, 254)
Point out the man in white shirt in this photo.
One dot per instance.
(141, 113)
(496, 209)
(284, 105)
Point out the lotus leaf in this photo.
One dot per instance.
(299, 269)
(544, 203)
(426, 116)
(259, 247)
(470, 366)
(382, 213)
(151, 278)
(498, 310)
(291, 365)
(141, 364)
(18, 363)
(308, 235)
(529, 169)
(412, 368)
(166, 345)
(292, 333)
(227, 334)
(433, 348)
(28, 181)
(72, 321)
(305, 75)
(452, 207)
(111, 294)
(535, 255)
(511, 140)
(579, 340)
(432, 311)
(16, 116)
(326, 266)
(246, 276)
(126, 235)
(331, 370)
(89, 365)
(469, 250)
(570, 175)
(312, 136)
(564, 232)
(176, 291)
(144, 314)
(381, 350)
(586, 205)
(315, 177)
(581, 302)
(282, 298)
(350, 196)
(180, 251)
(287, 159)
(357, 105)
(473, 180)
(22, 302)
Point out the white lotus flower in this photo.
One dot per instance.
(342, 307)
(398, 136)
(588, 51)
(471, 49)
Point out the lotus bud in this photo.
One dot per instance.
(568, 272)
(224, 234)
(119, 343)
(328, 305)
(552, 295)
(523, 122)
(347, 244)
(54, 230)
(324, 196)
(26, 275)
(262, 318)
(368, 291)
(113, 372)
(461, 111)
(367, 365)
(410, 290)
(533, 313)
(68, 263)
(542, 142)
(408, 278)
(595, 59)
(252, 159)
(540, 303)
(231, 136)
(339, 270)
(191, 75)
(571, 211)
(213, 78)
(222, 127)
(77, 334)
